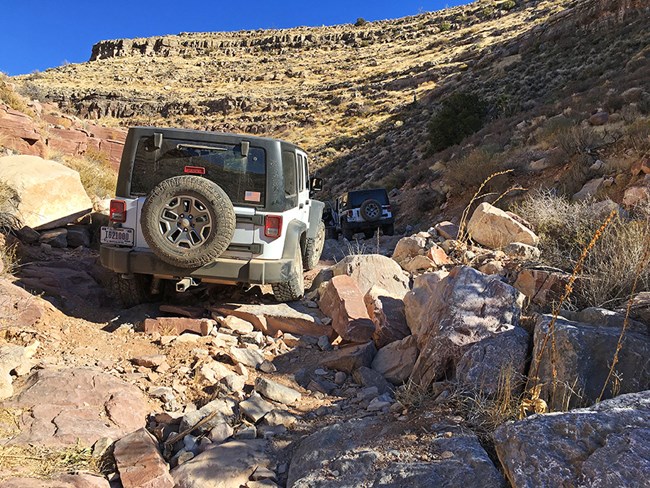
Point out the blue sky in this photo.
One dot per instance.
(41, 34)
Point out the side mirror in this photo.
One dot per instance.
(316, 184)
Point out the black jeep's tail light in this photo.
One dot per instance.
(273, 226)
(118, 211)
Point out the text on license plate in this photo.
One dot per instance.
(111, 235)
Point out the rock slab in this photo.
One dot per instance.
(584, 353)
(67, 406)
(139, 462)
(606, 445)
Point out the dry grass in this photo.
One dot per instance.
(11, 98)
(97, 176)
(412, 395)
(9, 201)
(566, 228)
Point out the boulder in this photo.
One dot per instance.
(584, 353)
(495, 363)
(51, 194)
(636, 195)
(349, 358)
(409, 247)
(494, 228)
(277, 392)
(352, 450)
(373, 269)
(245, 356)
(55, 238)
(371, 378)
(343, 302)
(418, 264)
(599, 118)
(605, 318)
(438, 256)
(387, 313)
(227, 465)
(454, 312)
(588, 190)
(542, 287)
(140, 463)
(255, 407)
(447, 230)
(16, 359)
(271, 318)
(67, 406)
(522, 251)
(396, 360)
(606, 445)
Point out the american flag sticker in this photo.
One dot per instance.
(252, 196)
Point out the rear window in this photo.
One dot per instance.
(356, 198)
(243, 178)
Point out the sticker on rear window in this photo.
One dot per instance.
(252, 196)
(194, 170)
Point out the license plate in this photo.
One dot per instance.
(111, 235)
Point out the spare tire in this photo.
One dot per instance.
(370, 210)
(188, 221)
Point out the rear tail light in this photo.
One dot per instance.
(118, 211)
(273, 226)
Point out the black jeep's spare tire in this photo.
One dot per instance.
(188, 221)
(370, 210)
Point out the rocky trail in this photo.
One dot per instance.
(392, 371)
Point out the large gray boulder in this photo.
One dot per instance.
(354, 453)
(605, 446)
(396, 360)
(584, 353)
(50, 194)
(454, 312)
(495, 363)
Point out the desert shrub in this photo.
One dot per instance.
(360, 22)
(579, 140)
(637, 135)
(565, 228)
(445, 26)
(395, 179)
(460, 115)
(508, 5)
(472, 169)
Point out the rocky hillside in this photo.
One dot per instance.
(359, 97)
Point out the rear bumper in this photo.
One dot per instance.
(368, 225)
(222, 270)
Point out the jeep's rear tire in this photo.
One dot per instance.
(132, 290)
(314, 248)
(293, 289)
(188, 221)
(370, 210)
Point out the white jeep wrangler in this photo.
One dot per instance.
(194, 206)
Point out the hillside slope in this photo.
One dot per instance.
(359, 98)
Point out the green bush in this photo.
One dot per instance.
(508, 5)
(360, 22)
(461, 114)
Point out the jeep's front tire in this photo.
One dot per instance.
(314, 248)
(188, 221)
(293, 289)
